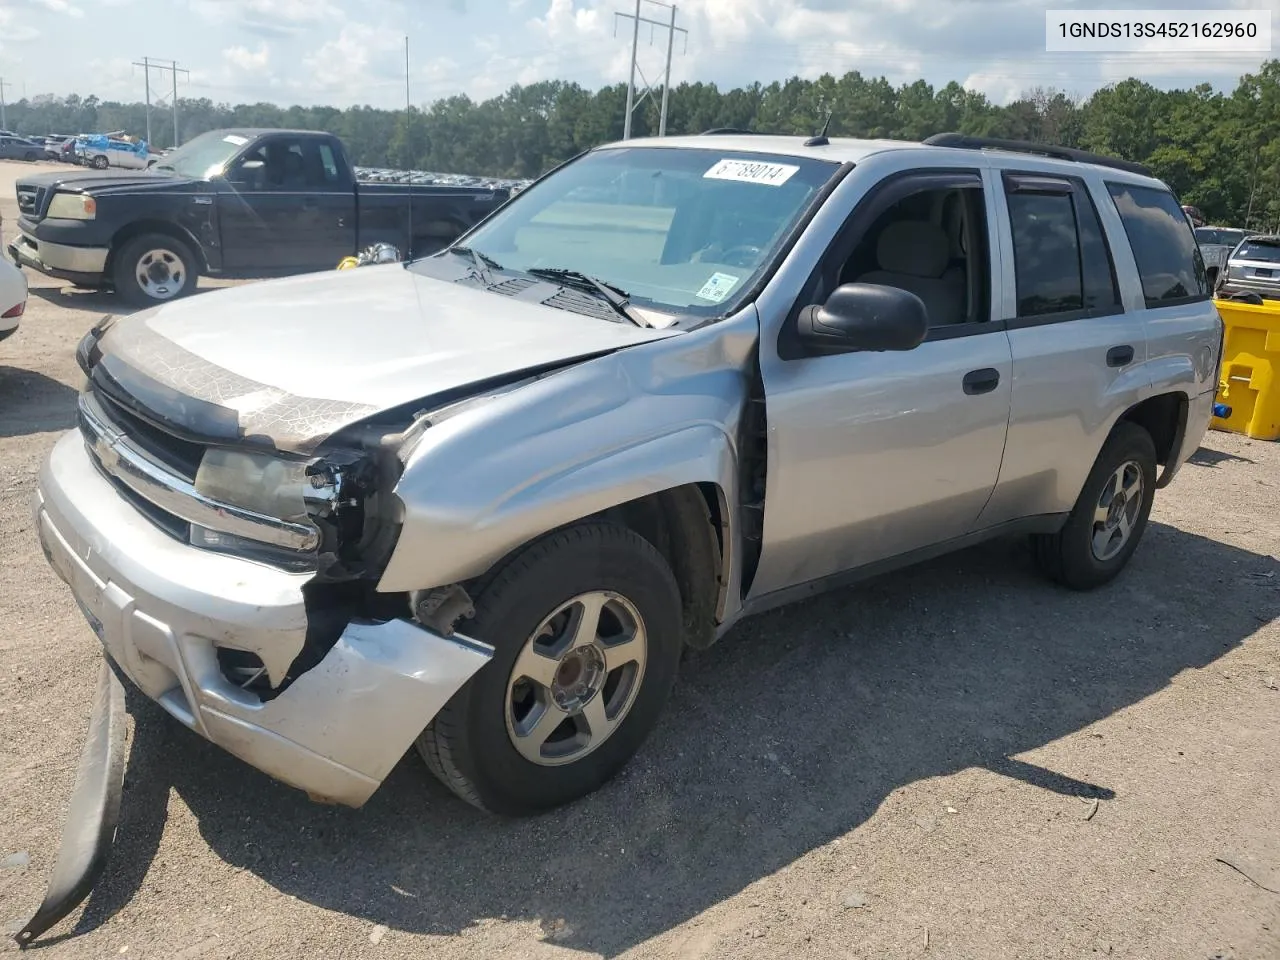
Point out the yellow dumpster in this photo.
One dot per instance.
(1248, 384)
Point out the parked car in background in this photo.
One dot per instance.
(20, 148)
(1216, 244)
(55, 146)
(13, 298)
(1254, 267)
(101, 152)
(484, 501)
(232, 203)
(1194, 215)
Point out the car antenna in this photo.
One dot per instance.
(821, 139)
(408, 139)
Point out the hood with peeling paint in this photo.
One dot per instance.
(295, 360)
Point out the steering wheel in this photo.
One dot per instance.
(742, 255)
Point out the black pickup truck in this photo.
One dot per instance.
(231, 203)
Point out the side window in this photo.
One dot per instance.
(1168, 257)
(932, 243)
(1101, 292)
(328, 163)
(1061, 260)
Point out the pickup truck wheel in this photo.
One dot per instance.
(154, 268)
(99, 163)
(586, 628)
(1109, 517)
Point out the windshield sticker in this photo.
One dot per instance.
(718, 287)
(750, 171)
(237, 140)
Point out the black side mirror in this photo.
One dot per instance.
(864, 316)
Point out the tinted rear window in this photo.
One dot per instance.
(1253, 250)
(1168, 257)
(1226, 238)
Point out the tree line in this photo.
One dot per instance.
(1219, 151)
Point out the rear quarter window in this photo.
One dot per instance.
(1168, 257)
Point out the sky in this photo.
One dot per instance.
(343, 52)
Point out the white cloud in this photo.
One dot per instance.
(61, 7)
(13, 31)
(351, 51)
(358, 61)
(248, 63)
(276, 18)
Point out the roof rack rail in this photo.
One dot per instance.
(965, 142)
(718, 131)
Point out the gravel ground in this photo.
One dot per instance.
(956, 761)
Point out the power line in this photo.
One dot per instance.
(672, 29)
(148, 64)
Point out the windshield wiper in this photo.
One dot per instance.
(612, 295)
(482, 261)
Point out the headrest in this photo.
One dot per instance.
(913, 247)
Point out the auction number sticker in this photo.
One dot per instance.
(239, 141)
(718, 287)
(751, 171)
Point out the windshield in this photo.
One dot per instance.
(1259, 250)
(1212, 236)
(680, 230)
(203, 156)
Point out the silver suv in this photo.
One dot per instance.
(482, 502)
(1253, 267)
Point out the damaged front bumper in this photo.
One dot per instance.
(162, 609)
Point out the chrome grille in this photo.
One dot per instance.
(150, 471)
(29, 201)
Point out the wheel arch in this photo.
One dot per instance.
(137, 228)
(688, 525)
(1164, 417)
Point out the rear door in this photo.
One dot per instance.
(1179, 317)
(1077, 339)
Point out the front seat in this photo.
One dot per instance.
(913, 255)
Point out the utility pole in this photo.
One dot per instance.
(146, 73)
(666, 77)
(4, 122)
(632, 101)
(631, 83)
(148, 64)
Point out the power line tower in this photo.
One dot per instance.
(148, 64)
(672, 30)
(4, 122)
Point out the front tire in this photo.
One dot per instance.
(586, 628)
(154, 268)
(99, 163)
(1109, 517)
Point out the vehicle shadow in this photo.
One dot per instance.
(100, 301)
(789, 733)
(77, 298)
(30, 402)
(1205, 457)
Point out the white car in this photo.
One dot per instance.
(13, 297)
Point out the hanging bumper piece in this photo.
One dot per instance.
(94, 812)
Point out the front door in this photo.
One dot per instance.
(284, 208)
(875, 455)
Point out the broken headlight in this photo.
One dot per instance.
(281, 499)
